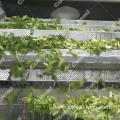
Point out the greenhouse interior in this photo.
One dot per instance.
(59, 60)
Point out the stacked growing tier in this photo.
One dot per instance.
(64, 54)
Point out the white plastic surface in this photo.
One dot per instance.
(17, 32)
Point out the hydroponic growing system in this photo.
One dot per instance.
(79, 68)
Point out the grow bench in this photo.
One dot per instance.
(107, 65)
(82, 25)
(64, 21)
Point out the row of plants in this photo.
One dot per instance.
(26, 22)
(22, 25)
(83, 106)
(48, 51)
(28, 19)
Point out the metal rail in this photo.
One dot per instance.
(91, 68)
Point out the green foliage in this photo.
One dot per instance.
(105, 30)
(84, 23)
(77, 84)
(12, 97)
(27, 19)
(1, 119)
(40, 26)
(84, 106)
(26, 22)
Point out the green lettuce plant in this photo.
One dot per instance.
(26, 22)
(84, 106)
